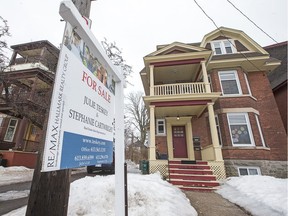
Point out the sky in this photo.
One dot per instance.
(137, 26)
(150, 195)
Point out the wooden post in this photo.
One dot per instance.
(49, 193)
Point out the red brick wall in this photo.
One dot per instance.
(270, 121)
(246, 154)
(20, 158)
(161, 142)
(201, 129)
(272, 126)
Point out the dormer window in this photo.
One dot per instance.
(221, 47)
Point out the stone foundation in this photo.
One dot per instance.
(277, 169)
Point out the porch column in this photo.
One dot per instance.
(151, 80)
(152, 154)
(214, 134)
(205, 77)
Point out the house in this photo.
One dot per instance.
(26, 86)
(278, 78)
(211, 105)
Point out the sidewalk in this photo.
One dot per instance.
(212, 204)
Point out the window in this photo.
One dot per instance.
(10, 88)
(160, 128)
(249, 171)
(223, 47)
(230, 83)
(240, 130)
(218, 130)
(10, 130)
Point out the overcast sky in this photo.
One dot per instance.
(137, 26)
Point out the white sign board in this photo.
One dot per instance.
(80, 128)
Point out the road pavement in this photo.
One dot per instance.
(10, 205)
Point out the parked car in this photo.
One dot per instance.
(109, 168)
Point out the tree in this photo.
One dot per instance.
(4, 31)
(115, 55)
(137, 115)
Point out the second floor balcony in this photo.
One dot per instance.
(181, 88)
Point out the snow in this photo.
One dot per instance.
(150, 195)
(260, 195)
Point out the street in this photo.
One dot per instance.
(10, 205)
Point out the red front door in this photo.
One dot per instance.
(179, 142)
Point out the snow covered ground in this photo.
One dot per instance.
(150, 195)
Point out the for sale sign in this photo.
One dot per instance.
(80, 129)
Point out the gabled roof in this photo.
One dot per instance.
(234, 34)
(174, 48)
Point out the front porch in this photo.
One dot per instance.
(184, 137)
(161, 166)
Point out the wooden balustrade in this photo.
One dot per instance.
(180, 88)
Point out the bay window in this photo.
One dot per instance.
(240, 129)
(230, 84)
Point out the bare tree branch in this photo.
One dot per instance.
(137, 114)
(4, 31)
(115, 55)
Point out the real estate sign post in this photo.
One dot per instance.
(81, 128)
(84, 125)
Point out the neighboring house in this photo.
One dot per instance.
(211, 103)
(278, 78)
(26, 86)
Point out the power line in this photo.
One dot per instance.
(206, 14)
(252, 21)
(222, 33)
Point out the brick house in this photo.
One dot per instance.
(26, 90)
(278, 78)
(211, 104)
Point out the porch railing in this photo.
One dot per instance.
(180, 88)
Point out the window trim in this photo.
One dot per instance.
(223, 47)
(236, 79)
(157, 127)
(14, 127)
(260, 131)
(248, 167)
(248, 127)
(248, 85)
(218, 130)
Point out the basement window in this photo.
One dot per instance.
(243, 171)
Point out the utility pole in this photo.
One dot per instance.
(49, 193)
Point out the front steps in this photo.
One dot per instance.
(192, 175)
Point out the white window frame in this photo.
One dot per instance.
(14, 130)
(236, 79)
(248, 127)
(157, 127)
(248, 168)
(260, 131)
(247, 83)
(218, 130)
(223, 47)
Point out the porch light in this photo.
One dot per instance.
(178, 117)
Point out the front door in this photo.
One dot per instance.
(179, 142)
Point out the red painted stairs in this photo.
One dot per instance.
(192, 175)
